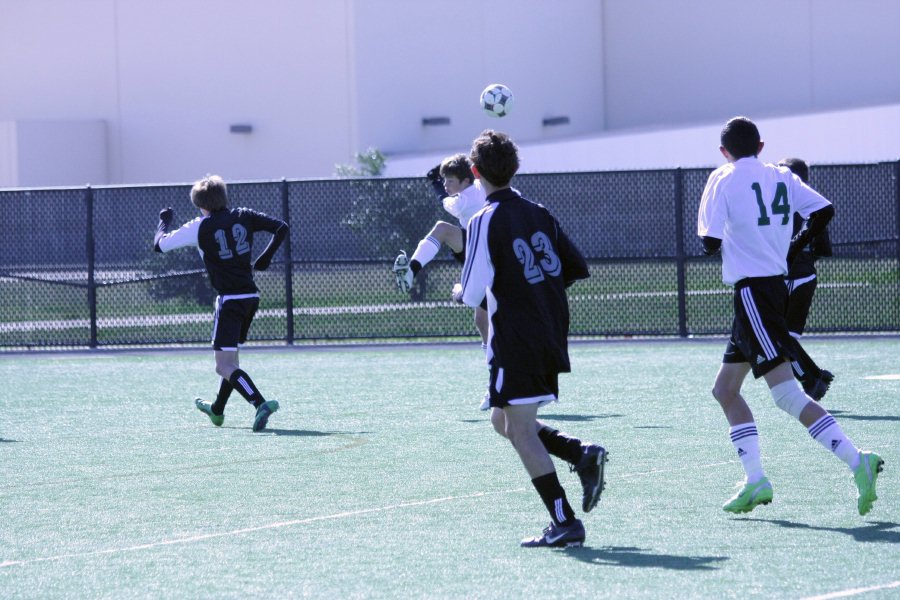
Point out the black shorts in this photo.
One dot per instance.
(232, 321)
(801, 292)
(759, 333)
(461, 255)
(516, 387)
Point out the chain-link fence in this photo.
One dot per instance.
(77, 267)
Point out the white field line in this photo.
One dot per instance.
(291, 523)
(855, 591)
(156, 320)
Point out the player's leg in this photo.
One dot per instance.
(584, 458)
(823, 428)
(815, 380)
(235, 318)
(564, 528)
(755, 489)
(519, 396)
(406, 270)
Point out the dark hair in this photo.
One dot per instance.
(210, 193)
(740, 137)
(797, 166)
(458, 166)
(495, 156)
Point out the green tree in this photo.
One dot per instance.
(389, 214)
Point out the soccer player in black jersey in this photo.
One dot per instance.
(802, 281)
(519, 258)
(224, 238)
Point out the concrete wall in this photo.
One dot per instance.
(319, 80)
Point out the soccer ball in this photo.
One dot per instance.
(496, 100)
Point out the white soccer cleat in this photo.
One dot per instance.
(402, 272)
(485, 402)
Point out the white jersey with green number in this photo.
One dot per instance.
(749, 206)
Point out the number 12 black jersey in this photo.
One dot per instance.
(225, 241)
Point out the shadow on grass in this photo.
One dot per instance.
(5, 441)
(579, 418)
(879, 531)
(852, 417)
(629, 556)
(542, 417)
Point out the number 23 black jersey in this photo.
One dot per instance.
(518, 256)
(225, 241)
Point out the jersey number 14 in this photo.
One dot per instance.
(780, 205)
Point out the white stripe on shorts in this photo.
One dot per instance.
(756, 323)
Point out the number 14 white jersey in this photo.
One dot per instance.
(749, 205)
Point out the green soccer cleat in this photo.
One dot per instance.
(750, 496)
(206, 408)
(263, 413)
(865, 475)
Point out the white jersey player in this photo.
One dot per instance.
(747, 212)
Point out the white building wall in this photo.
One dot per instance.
(319, 80)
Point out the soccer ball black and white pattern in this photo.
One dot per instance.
(497, 100)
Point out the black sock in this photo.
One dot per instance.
(561, 445)
(246, 388)
(554, 497)
(225, 388)
(415, 266)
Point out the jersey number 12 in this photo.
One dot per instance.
(239, 232)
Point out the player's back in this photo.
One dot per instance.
(225, 239)
(753, 204)
(529, 292)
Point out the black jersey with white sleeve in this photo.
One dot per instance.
(519, 258)
(225, 241)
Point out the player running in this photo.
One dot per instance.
(225, 239)
(802, 281)
(518, 257)
(746, 211)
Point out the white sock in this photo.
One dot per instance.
(827, 432)
(426, 250)
(746, 441)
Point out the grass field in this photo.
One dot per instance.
(379, 478)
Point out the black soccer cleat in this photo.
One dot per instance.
(558, 536)
(819, 386)
(590, 471)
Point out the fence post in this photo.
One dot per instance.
(897, 218)
(288, 264)
(679, 252)
(91, 286)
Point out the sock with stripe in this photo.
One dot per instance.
(745, 439)
(560, 444)
(827, 432)
(225, 389)
(246, 388)
(554, 497)
(425, 252)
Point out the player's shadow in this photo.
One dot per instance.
(542, 417)
(630, 556)
(308, 432)
(885, 532)
(578, 418)
(6, 441)
(852, 417)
